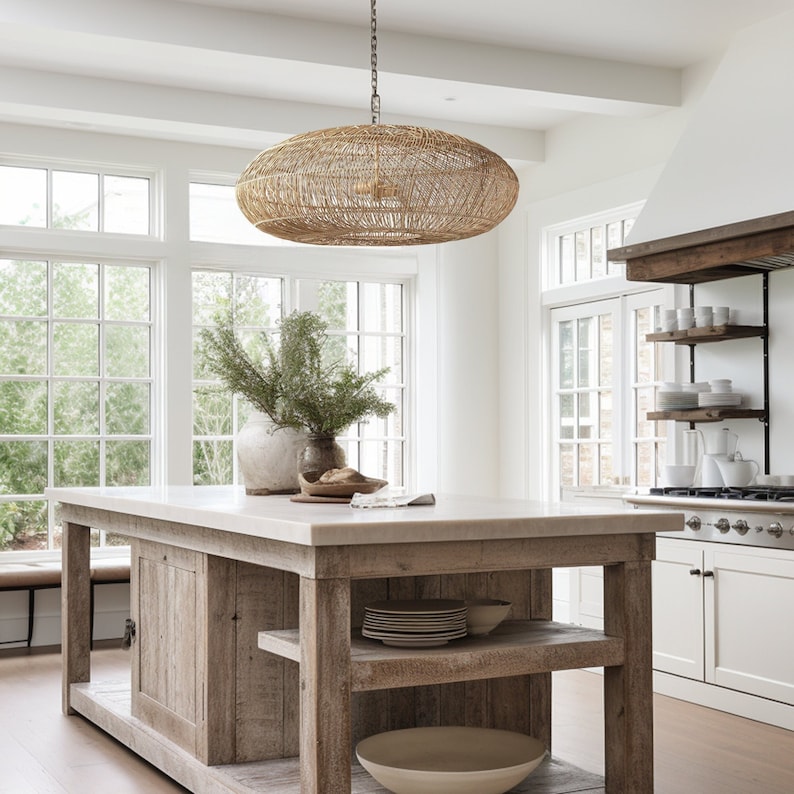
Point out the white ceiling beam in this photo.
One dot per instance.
(208, 31)
(208, 117)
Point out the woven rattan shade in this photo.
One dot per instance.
(376, 184)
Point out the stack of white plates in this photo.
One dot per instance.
(676, 400)
(423, 623)
(719, 399)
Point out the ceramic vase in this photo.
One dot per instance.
(320, 454)
(267, 456)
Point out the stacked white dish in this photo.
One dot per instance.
(421, 623)
(721, 395)
(671, 397)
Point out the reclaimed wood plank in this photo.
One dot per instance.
(325, 685)
(107, 704)
(75, 607)
(628, 688)
(259, 697)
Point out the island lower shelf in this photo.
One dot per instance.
(107, 704)
(515, 648)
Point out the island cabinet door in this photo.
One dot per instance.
(183, 668)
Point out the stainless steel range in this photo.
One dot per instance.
(751, 516)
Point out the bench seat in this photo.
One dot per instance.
(33, 576)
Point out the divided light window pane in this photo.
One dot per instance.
(88, 200)
(75, 388)
(23, 196)
(216, 218)
(126, 204)
(75, 201)
(581, 254)
(366, 328)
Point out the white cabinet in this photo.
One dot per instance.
(678, 608)
(722, 616)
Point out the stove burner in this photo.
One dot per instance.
(757, 493)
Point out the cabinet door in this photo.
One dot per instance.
(678, 608)
(183, 667)
(750, 644)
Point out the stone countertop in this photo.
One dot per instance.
(452, 518)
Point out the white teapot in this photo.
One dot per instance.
(737, 473)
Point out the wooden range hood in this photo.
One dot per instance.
(737, 249)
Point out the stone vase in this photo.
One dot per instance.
(267, 456)
(321, 453)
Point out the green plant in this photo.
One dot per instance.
(296, 384)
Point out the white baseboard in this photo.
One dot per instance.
(716, 697)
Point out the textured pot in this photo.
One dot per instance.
(267, 456)
(321, 453)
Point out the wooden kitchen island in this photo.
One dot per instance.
(249, 672)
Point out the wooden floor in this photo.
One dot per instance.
(698, 751)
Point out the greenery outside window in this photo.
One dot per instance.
(75, 387)
(366, 327)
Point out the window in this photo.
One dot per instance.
(603, 372)
(90, 200)
(579, 253)
(216, 218)
(366, 327)
(75, 387)
(603, 384)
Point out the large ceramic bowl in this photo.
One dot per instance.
(485, 614)
(450, 759)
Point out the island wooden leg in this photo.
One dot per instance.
(325, 686)
(75, 608)
(628, 690)
(540, 683)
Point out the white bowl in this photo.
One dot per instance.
(485, 614)
(447, 759)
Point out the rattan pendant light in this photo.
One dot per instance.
(376, 184)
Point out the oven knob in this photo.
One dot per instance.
(694, 523)
(722, 524)
(741, 526)
(775, 529)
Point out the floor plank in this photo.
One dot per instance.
(698, 750)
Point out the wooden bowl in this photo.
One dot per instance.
(310, 486)
(448, 759)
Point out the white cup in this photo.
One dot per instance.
(669, 320)
(704, 317)
(785, 479)
(685, 317)
(768, 479)
(721, 315)
(679, 475)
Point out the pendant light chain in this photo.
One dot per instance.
(375, 101)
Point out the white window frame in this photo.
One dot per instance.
(156, 225)
(578, 300)
(154, 382)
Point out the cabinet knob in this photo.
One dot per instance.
(695, 572)
(708, 573)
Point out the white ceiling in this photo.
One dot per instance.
(249, 72)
